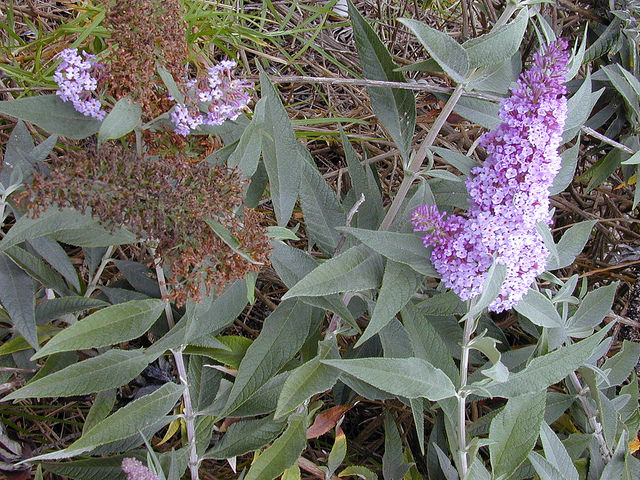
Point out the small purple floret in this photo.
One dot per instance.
(136, 470)
(76, 82)
(509, 193)
(225, 98)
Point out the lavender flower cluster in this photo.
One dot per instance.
(226, 98)
(76, 82)
(135, 470)
(509, 193)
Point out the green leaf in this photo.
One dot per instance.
(38, 269)
(107, 468)
(557, 454)
(113, 368)
(539, 309)
(17, 296)
(514, 432)
(214, 313)
(481, 112)
(232, 355)
(101, 408)
(279, 153)
(19, 344)
(227, 237)
(338, 452)
(247, 153)
(245, 436)
(571, 244)
(363, 182)
(451, 56)
(50, 309)
(427, 341)
(565, 176)
(592, 310)
(171, 85)
(490, 290)
(622, 363)
(283, 453)
(122, 119)
(356, 269)
(68, 226)
(57, 257)
(361, 472)
(544, 468)
(282, 335)
(51, 114)
(500, 44)
(394, 107)
(130, 419)
(321, 209)
(404, 377)
(579, 108)
(458, 160)
(547, 369)
(308, 379)
(111, 325)
(406, 248)
(393, 464)
(399, 283)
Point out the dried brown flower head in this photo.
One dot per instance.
(144, 34)
(165, 200)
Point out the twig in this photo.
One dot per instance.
(352, 212)
(469, 325)
(313, 469)
(592, 415)
(416, 163)
(364, 82)
(162, 285)
(93, 283)
(603, 138)
(188, 414)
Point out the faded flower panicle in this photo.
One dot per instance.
(76, 79)
(165, 200)
(509, 193)
(145, 33)
(136, 470)
(225, 97)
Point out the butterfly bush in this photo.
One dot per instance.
(135, 470)
(224, 96)
(509, 193)
(76, 79)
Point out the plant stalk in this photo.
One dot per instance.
(592, 415)
(188, 415)
(93, 283)
(463, 463)
(419, 157)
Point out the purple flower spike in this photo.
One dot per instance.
(225, 98)
(135, 470)
(509, 193)
(76, 82)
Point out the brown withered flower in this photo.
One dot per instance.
(145, 34)
(165, 201)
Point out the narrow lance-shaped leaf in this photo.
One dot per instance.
(283, 453)
(282, 335)
(548, 369)
(131, 419)
(114, 324)
(399, 283)
(514, 432)
(405, 377)
(16, 295)
(246, 436)
(113, 368)
(50, 113)
(451, 56)
(395, 107)
(354, 270)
